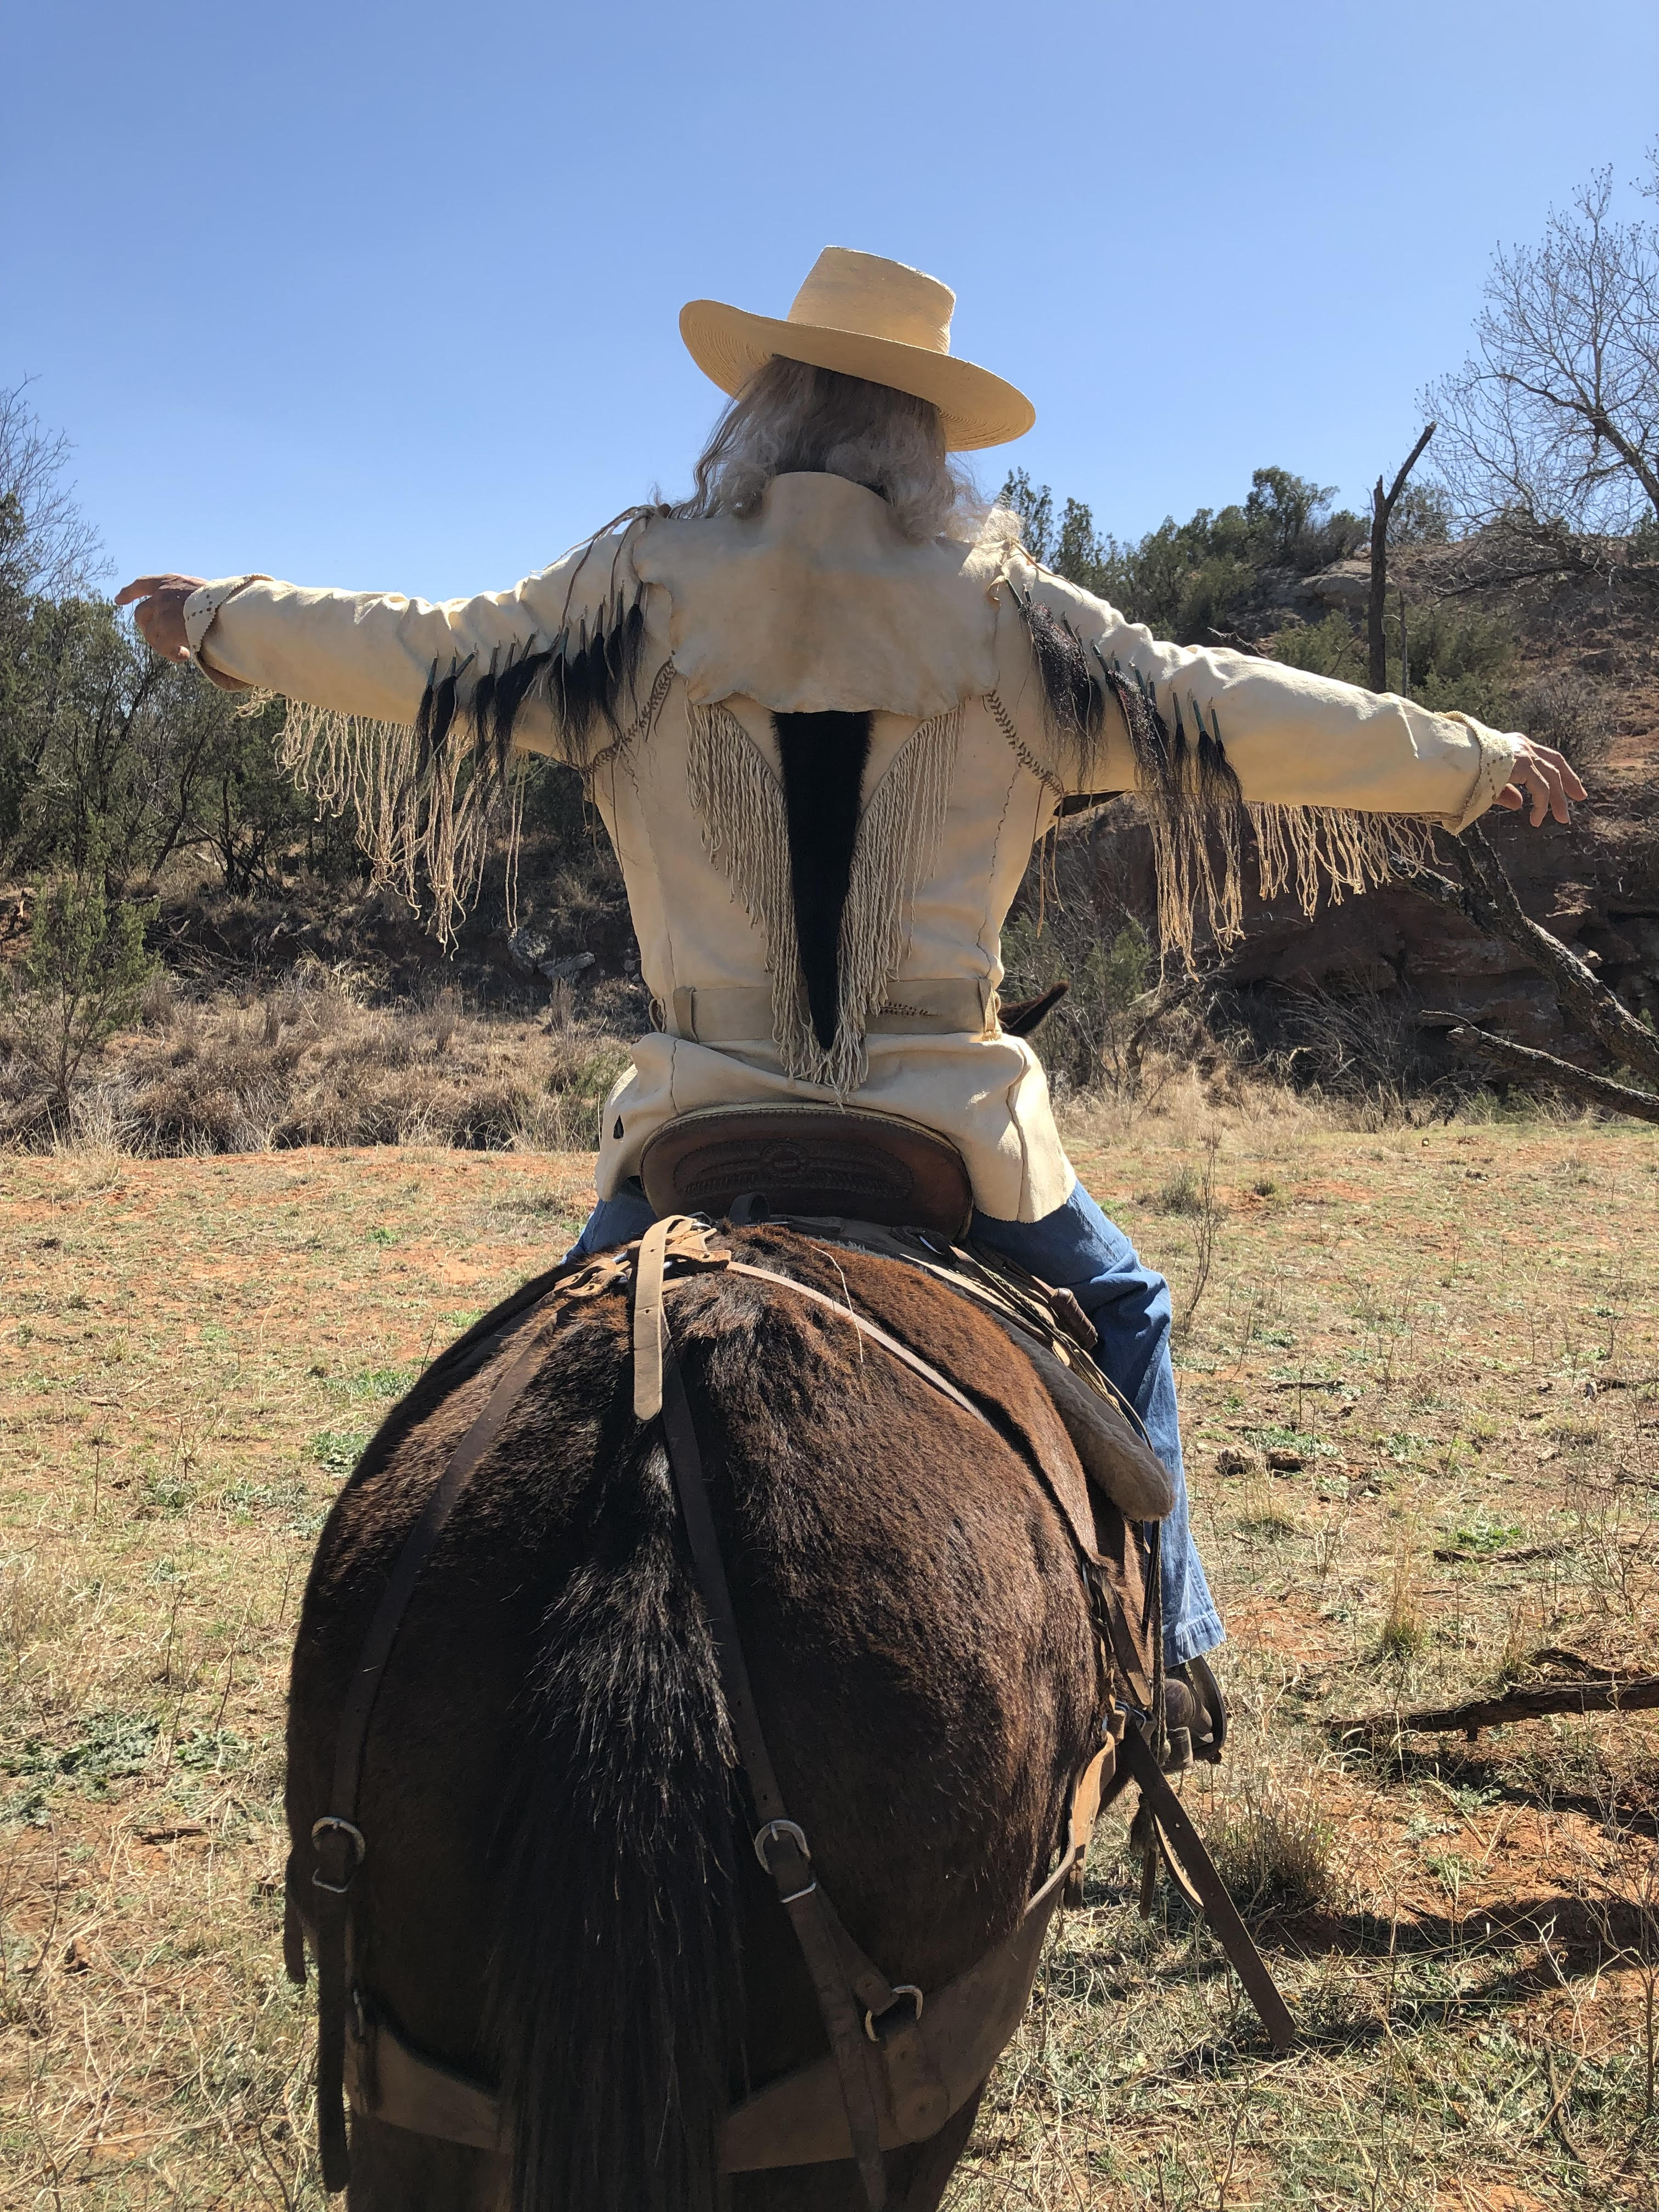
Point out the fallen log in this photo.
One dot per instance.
(1605, 1694)
(1456, 1555)
(1522, 1059)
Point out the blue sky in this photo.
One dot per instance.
(385, 296)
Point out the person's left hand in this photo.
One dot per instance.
(158, 608)
(1548, 776)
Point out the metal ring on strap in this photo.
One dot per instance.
(333, 1824)
(797, 1835)
(900, 1990)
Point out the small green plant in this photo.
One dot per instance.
(113, 1745)
(1181, 1193)
(83, 977)
(214, 1750)
(166, 1494)
(1480, 1537)
(337, 1451)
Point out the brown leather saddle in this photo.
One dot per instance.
(888, 1185)
(812, 1160)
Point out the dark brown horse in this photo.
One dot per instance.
(559, 1895)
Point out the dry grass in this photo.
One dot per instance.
(310, 1061)
(1413, 1340)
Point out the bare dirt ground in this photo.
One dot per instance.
(1421, 1384)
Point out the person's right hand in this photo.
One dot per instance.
(1547, 775)
(158, 608)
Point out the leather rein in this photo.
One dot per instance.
(900, 2060)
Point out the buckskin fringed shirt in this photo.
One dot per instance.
(823, 754)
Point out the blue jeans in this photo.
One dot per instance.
(1074, 1249)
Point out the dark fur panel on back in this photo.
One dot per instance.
(823, 758)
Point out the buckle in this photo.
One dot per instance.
(333, 1825)
(900, 1990)
(770, 1833)
(797, 1835)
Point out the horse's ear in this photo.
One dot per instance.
(1024, 1016)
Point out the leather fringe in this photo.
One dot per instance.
(1201, 826)
(739, 802)
(1329, 851)
(433, 799)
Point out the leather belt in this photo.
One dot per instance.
(927, 1006)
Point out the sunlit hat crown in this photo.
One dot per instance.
(869, 317)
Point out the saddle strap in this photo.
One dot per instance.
(779, 1843)
(800, 2118)
(1187, 1846)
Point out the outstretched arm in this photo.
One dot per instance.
(376, 655)
(1293, 738)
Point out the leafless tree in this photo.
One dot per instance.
(1384, 504)
(47, 547)
(1551, 425)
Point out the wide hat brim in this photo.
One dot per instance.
(977, 409)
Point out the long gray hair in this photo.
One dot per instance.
(791, 416)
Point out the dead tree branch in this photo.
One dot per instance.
(1550, 423)
(1383, 506)
(1545, 1067)
(1487, 897)
(1605, 1695)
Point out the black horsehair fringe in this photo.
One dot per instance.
(1074, 705)
(1195, 807)
(823, 758)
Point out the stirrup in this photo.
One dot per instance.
(1195, 1716)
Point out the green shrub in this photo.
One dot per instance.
(1457, 657)
(1082, 1043)
(1185, 579)
(83, 977)
(1331, 647)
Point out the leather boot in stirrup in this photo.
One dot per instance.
(1195, 1716)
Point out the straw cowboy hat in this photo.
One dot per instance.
(872, 317)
